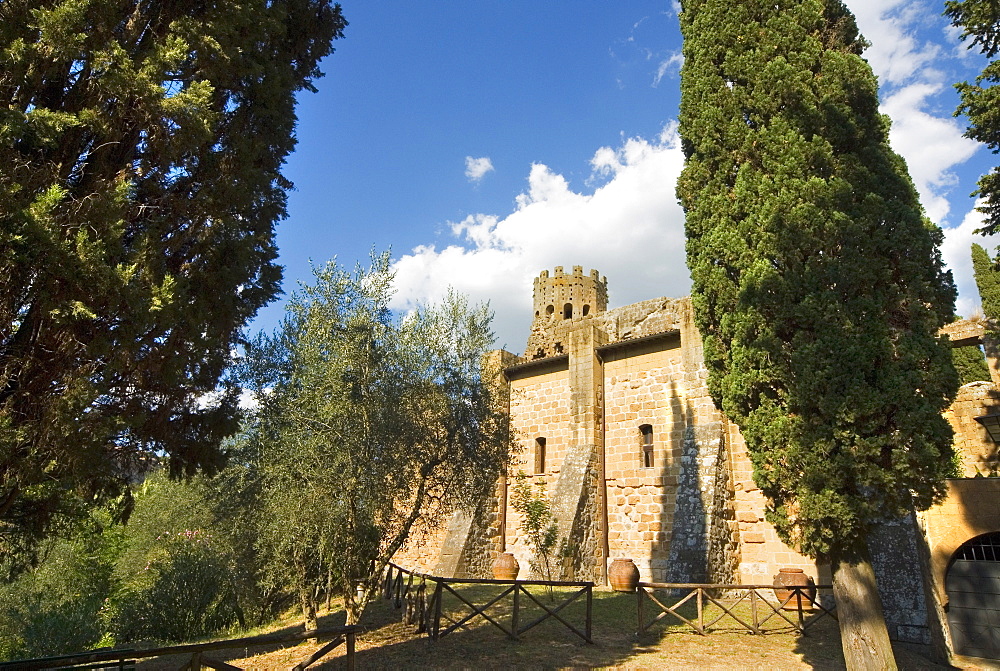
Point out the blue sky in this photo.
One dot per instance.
(484, 142)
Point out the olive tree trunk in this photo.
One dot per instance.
(863, 633)
(308, 609)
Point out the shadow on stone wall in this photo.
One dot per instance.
(701, 548)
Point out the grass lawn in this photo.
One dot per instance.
(387, 643)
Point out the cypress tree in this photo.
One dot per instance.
(970, 364)
(141, 146)
(818, 286)
(987, 276)
(987, 281)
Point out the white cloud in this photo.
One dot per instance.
(476, 168)
(897, 54)
(914, 73)
(630, 229)
(957, 254)
(672, 64)
(932, 145)
(248, 400)
(912, 81)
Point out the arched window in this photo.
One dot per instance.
(586, 310)
(550, 309)
(647, 445)
(539, 455)
(568, 311)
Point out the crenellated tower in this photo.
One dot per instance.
(560, 298)
(564, 296)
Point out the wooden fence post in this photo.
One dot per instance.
(798, 607)
(590, 608)
(640, 592)
(422, 607)
(436, 623)
(350, 651)
(514, 612)
(386, 583)
(701, 610)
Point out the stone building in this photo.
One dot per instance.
(613, 414)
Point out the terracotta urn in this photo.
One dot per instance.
(794, 577)
(623, 575)
(505, 567)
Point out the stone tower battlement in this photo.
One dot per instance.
(567, 295)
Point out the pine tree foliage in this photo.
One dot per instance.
(987, 274)
(140, 152)
(970, 363)
(980, 102)
(818, 284)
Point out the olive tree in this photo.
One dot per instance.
(366, 423)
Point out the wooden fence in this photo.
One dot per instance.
(410, 588)
(745, 607)
(125, 659)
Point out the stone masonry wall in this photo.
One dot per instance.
(540, 407)
(761, 551)
(423, 549)
(640, 389)
(551, 337)
(976, 450)
(460, 544)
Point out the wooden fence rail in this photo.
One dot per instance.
(125, 659)
(802, 601)
(427, 613)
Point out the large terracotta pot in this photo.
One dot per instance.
(794, 577)
(505, 567)
(623, 575)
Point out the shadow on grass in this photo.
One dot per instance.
(822, 650)
(293, 652)
(387, 643)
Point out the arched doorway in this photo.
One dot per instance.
(973, 587)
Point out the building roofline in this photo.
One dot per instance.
(634, 342)
(534, 363)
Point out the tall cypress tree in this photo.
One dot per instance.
(141, 146)
(818, 286)
(987, 276)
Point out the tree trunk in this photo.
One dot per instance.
(351, 606)
(308, 609)
(863, 634)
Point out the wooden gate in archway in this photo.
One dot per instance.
(973, 587)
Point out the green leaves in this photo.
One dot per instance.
(366, 424)
(538, 523)
(980, 102)
(818, 286)
(140, 154)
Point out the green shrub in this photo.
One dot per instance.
(182, 591)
